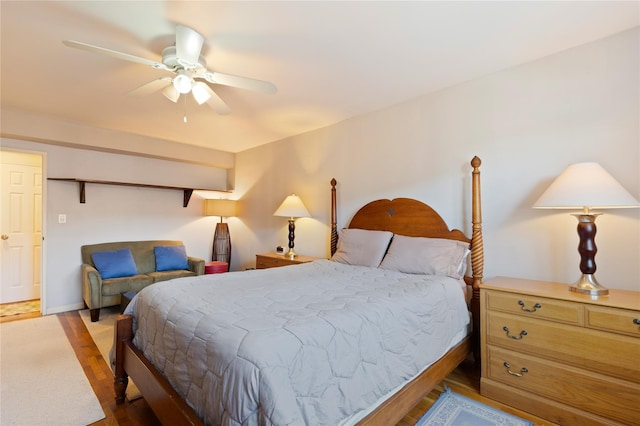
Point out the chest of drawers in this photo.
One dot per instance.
(561, 355)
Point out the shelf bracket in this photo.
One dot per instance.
(187, 196)
(81, 185)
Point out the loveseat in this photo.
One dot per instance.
(110, 269)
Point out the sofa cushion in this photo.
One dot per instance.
(115, 263)
(171, 258)
(169, 275)
(116, 286)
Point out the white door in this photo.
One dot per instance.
(20, 226)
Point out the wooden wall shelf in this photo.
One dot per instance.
(82, 184)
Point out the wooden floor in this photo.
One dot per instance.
(465, 380)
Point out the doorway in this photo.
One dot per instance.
(21, 205)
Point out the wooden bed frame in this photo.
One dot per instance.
(401, 216)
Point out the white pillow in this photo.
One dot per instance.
(429, 256)
(362, 247)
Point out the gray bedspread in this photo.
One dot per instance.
(311, 344)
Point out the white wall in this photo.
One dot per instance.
(526, 124)
(115, 213)
(36, 127)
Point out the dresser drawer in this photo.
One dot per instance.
(612, 319)
(535, 307)
(574, 345)
(591, 392)
(264, 262)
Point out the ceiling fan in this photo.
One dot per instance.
(189, 68)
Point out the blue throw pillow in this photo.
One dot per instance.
(171, 258)
(115, 263)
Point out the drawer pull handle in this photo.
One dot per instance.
(636, 321)
(512, 336)
(515, 373)
(535, 307)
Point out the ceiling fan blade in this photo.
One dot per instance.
(115, 54)
(216, 101)
(188, 45)
(151, 87)
(171, 93)
(240, 82)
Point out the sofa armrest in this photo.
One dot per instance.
(91, 286)
(196, 265)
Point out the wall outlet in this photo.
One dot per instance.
(62, 218)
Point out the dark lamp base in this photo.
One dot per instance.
(292, 229)
(221, 251)
(587, 284)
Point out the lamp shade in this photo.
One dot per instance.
(219, 207)
(585, 186)
(292, 206)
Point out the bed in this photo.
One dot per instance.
(337, 342)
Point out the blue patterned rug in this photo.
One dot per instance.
(451, 409)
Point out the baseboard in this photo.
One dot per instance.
(58, 309)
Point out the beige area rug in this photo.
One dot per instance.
(101, 332)
(41, 380)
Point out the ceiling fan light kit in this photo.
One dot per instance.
(182, 82)
(200, 93)
(171, 93)
(188, 65)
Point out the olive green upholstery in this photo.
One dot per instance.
(99, 293)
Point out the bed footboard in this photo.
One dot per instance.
(172, 409)
(165, 402)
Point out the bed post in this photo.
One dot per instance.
(477, 255)
(334, 226)
(122, 335)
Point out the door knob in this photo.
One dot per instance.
(5, 237)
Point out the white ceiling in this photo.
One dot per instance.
(329, 60)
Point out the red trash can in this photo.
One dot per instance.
(216, 267)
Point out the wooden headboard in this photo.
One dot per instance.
(404, 216)
(413, 218)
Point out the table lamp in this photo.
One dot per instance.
(586, 186)
(292, 207)
(221, 238)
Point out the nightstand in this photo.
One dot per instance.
(274, 260)
(559, 354)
